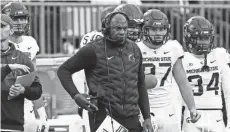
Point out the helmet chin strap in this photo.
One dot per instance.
(18, 33)
(157, 43)
(205, 67)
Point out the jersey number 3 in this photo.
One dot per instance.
(214, 79)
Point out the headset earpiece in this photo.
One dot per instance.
(103, 28)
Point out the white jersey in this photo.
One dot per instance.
(90, 37)
(81, 83)
(160, 61)
(30, 47)
(207, 85)
(224, 53)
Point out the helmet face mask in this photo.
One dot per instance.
(20, 15)
(134, 30)
(156, 28)
(135, 22)
(156, 34)
(20, 24)
(198, 35)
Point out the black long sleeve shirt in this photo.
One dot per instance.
(86, 58)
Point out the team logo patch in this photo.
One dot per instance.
(131, 57)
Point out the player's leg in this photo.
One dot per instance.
(31, 126)
(166, 119)
(29, 117)
(177, 102)
(216, 122)
(210, 121)
(85, 118)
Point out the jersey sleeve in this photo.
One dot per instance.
(225, 75)
(224, 54)
(91, 36)
(84, 40)
(178, 51)
(34, 49)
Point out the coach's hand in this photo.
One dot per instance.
(19, 66)
(16, 89)
(195, 116)
(147, 125)
(81, 100)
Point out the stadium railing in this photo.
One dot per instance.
(54, 23)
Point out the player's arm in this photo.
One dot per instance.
(225, 75)
(184, 86)
(34, 49)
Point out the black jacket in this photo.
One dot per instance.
(112, 72)
(12, 111)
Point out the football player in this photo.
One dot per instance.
(208, 72)
(28, 45)
(88, 37)
(162, 58)
(135, 22)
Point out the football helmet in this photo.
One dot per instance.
(156, 27)
(20, 15)
(106, 11)
(135, 22)
(198, 35)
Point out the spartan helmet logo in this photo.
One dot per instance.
(131, 57)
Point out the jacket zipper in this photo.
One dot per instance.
(123, 68)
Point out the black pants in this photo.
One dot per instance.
(96, 118)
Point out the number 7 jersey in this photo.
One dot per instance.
(160, 63)
(207, 85)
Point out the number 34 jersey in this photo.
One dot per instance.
(160, 63)
(207, 85)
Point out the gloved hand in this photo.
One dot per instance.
(195, 116)
(43, 126)
(82, 101)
